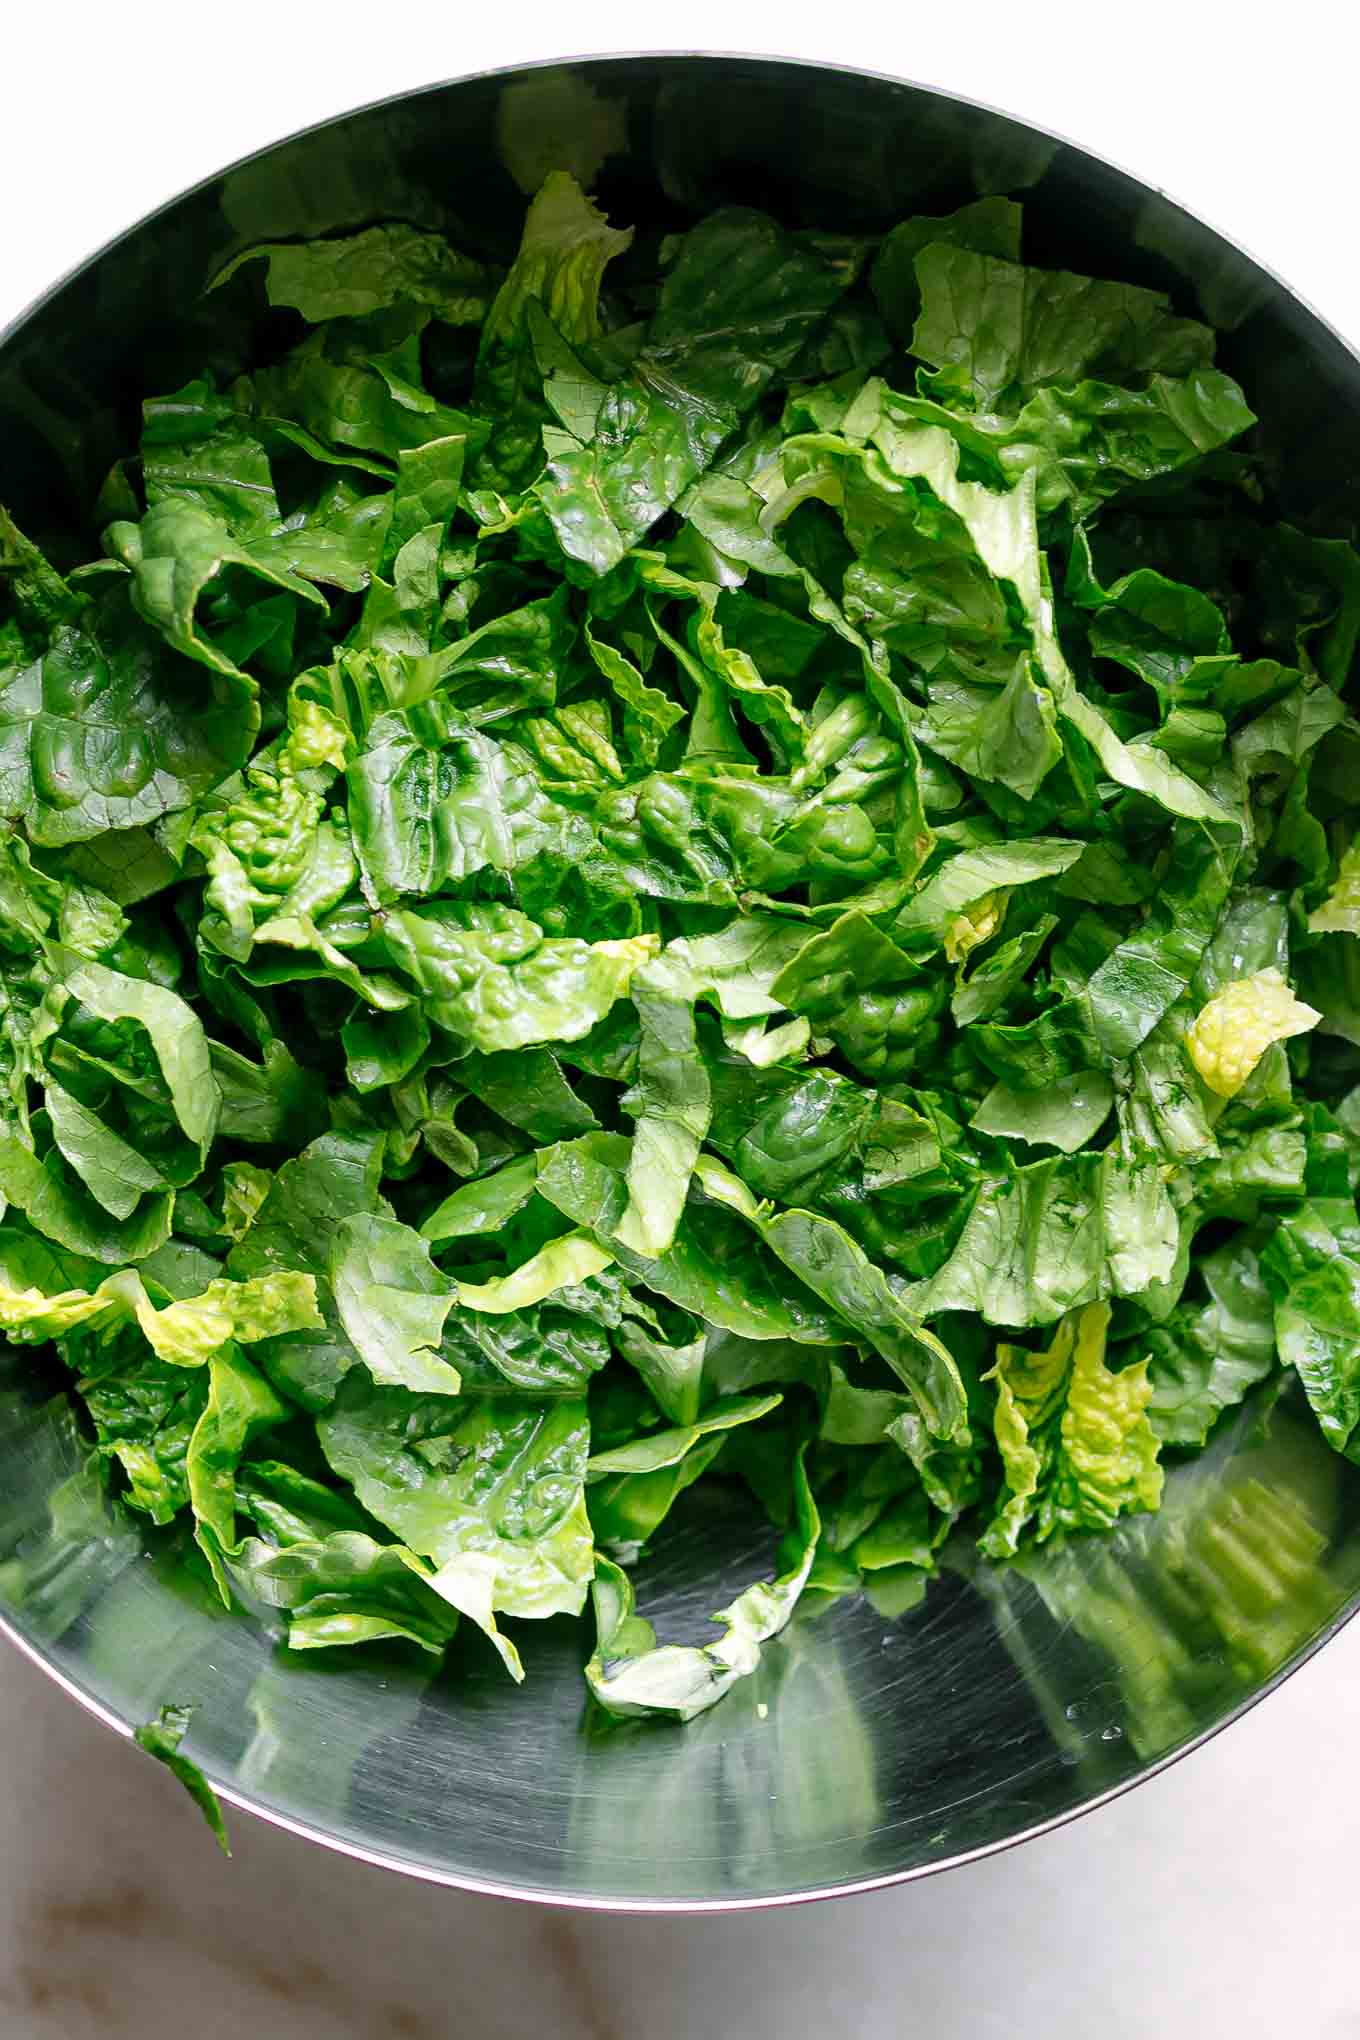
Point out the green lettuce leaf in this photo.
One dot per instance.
(994, 332)
(355, 274)
(161, 1739)
(989, 226)
(1316, 1290)
(586, 1181)
(103, 727)
(490, 976)
(501, 1480)
(392, 1302)
(1057, 1234)
(835, 1268)
(734, 312)
(631, 1674)
(1207, 1356)
(1075, 1439)
(633, 1486)
(240, 1404)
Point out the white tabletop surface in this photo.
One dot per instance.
(1218, 1900)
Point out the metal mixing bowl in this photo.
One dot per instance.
(864, 1750)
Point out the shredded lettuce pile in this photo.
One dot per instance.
(725, 856)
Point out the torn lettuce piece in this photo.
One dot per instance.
(974, 875)
(736, 969)
(1314, 1280)
(633, 1486)
(631, 1674)
(1339, 913)
(184, 1331)
(1066, 1116)
(733, 313)
(654, 1450)
(1075, 1439)
(1207, 1356)
(674, 1097)
(564, 1263)
(499, 1476)
(189, 1331)
(1230, 1034)
(354, 274)
(392, 1302)
(1045, 1239)
(995, 332)
(161, 1739)
(490, 977)
(337, 1585)
(240, 1404)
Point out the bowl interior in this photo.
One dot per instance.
(869, 1745)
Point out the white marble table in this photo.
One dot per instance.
(1219, 1899)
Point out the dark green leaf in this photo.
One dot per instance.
(161, 1739)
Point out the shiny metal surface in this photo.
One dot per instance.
(866, 1749)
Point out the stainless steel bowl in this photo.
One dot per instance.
(865, 1750)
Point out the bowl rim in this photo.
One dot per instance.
(576, 1901)
(490, 1887)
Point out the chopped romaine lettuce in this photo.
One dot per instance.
(735, 832)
